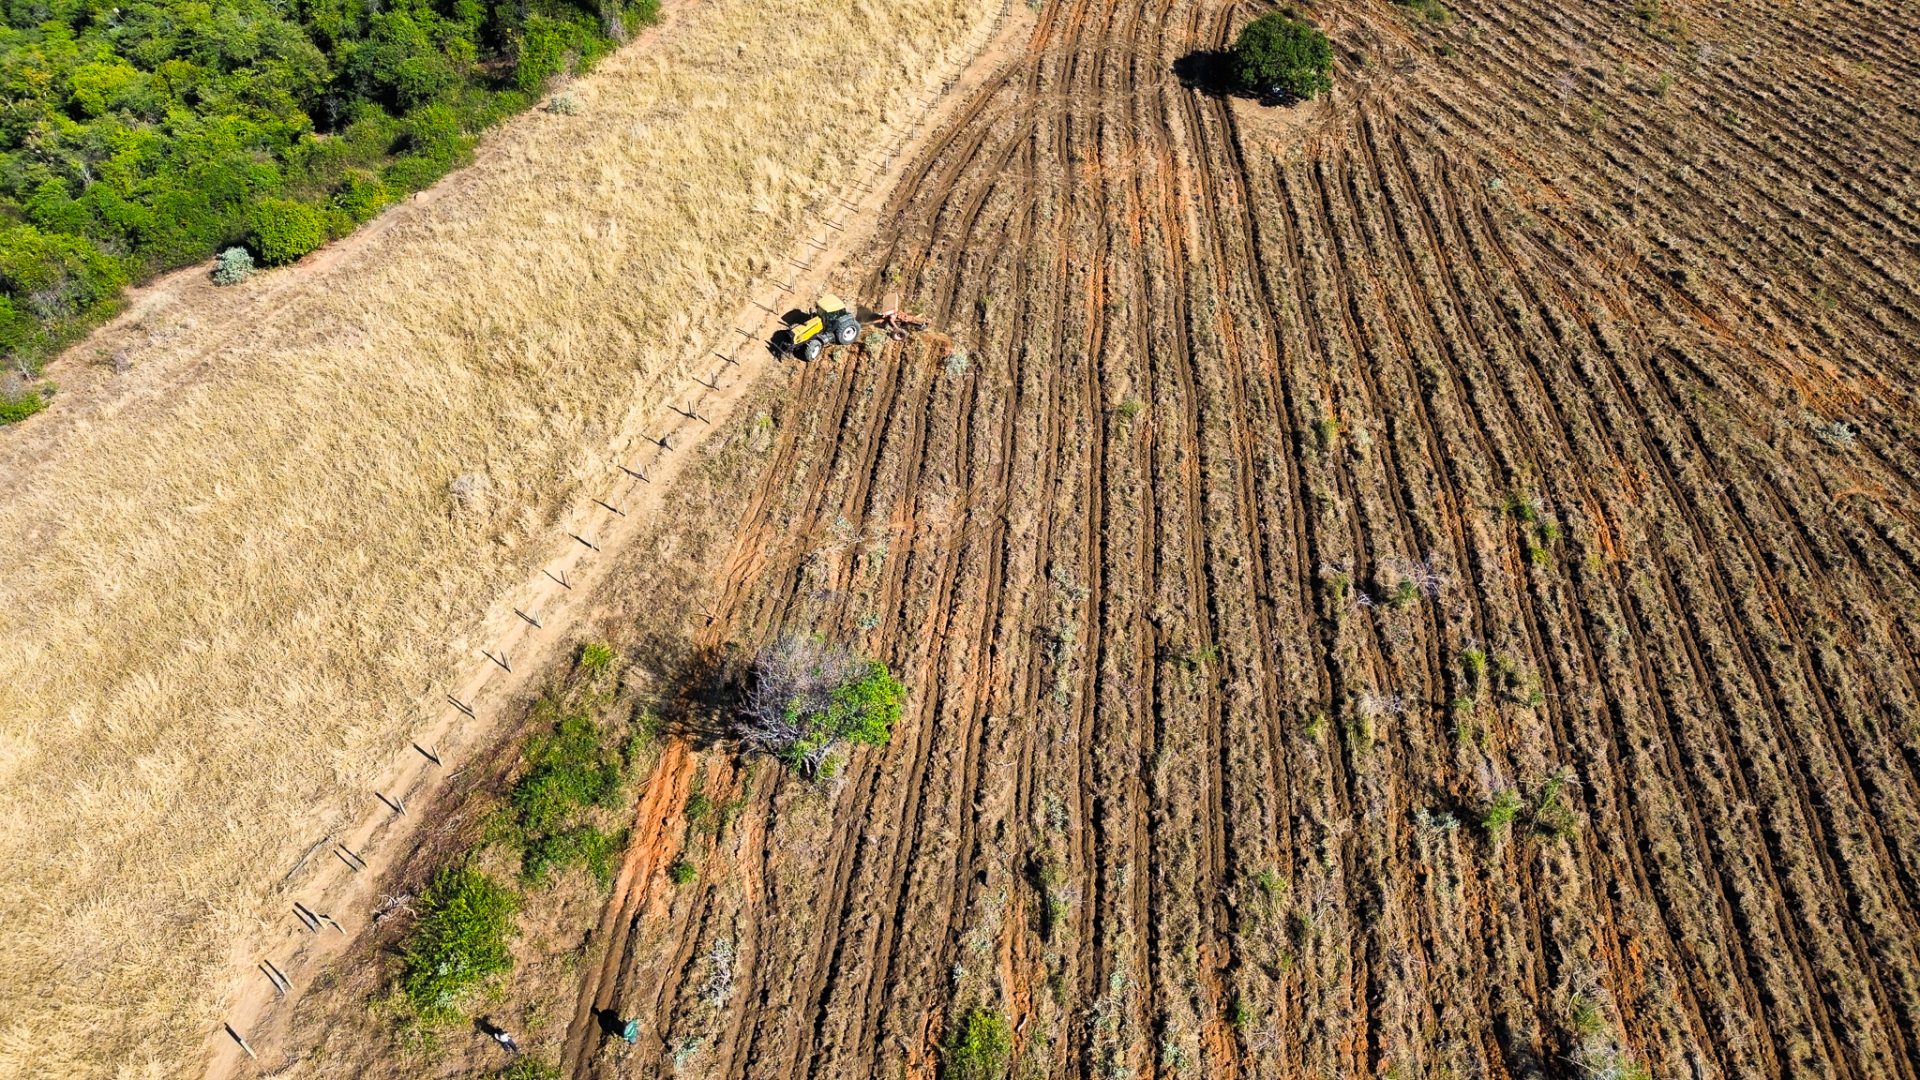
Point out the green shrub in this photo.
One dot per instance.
(1280, 53)
(581, 845)
(16, 407)
(433, 142)
(979, 1048)
(681, 872)
(571, 769)
(1553, 813)
(594, 656)
(52, 209)
(641, 13)
(284, 230)
(1473, 667)
(546, 50)
(1501, 810)
(1434, 10)
(360, 196)
(459, 942)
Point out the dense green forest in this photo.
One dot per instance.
(142, 135)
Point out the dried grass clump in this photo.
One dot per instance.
(224, 600)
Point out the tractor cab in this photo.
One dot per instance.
(830, 322)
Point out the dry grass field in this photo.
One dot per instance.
(1419, 585)
(235, 578)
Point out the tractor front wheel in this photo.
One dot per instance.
(811, 350)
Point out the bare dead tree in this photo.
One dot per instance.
(790, 685)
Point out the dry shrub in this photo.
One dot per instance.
(806, 698)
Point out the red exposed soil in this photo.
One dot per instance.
(1534, 416)
(1545, 312)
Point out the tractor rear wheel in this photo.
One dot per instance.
(811, 350)
(847, 332)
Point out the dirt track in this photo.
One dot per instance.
(1191, 783)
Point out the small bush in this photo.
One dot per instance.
(1473, 667)
(234, 266)
(1839, 434)
(581, 845)
(15, 407)
(571, 769)
(460, 941)
(1588, 1018)
(979, 1047)
(1500, 812)
(1553, 813)
(681, 872)
(1280, 54)
(807, 698)
(284, 230)
(1432, 9)
(594, 656)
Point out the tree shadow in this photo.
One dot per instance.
(1210, 71)
(706, 684)
(1207, 71)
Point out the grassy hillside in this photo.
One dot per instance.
(138, 137)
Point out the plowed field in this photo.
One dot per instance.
(1421, 583)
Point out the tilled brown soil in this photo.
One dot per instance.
(1535, 416)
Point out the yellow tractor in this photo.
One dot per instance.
(830, 322)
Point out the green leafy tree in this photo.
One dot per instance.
(397, 63)
(1280, 52)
